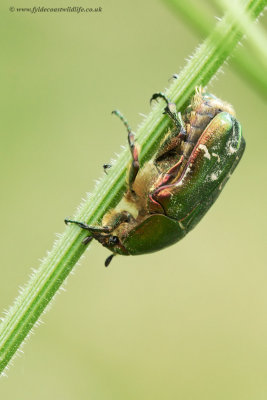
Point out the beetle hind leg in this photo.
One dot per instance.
(134, 150)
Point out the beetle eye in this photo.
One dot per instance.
(113, 240)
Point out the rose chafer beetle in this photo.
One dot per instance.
(170, 193)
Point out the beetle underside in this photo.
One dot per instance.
(163, 199)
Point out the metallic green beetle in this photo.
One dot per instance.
(169, 195)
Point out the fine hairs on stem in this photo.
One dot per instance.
(54, 269)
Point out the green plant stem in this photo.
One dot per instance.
(243, 63)
(255, 35)
(46, 281)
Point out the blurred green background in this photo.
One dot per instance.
(185, 323)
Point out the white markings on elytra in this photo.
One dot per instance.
(229, 147)
(213, 177)
(181, 225)
(216, 155)
(231, 150)
(206, 152)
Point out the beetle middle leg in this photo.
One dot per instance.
(134, 150)
(171, 111)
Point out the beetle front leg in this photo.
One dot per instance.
(90, 228)
(116, 220)
(134, 150)
(100, 232)
(97, 232)
(104, 234)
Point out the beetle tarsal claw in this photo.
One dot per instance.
(161, 96)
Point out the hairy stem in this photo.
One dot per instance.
(45, 282)
(242, 61)
(255, 34)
